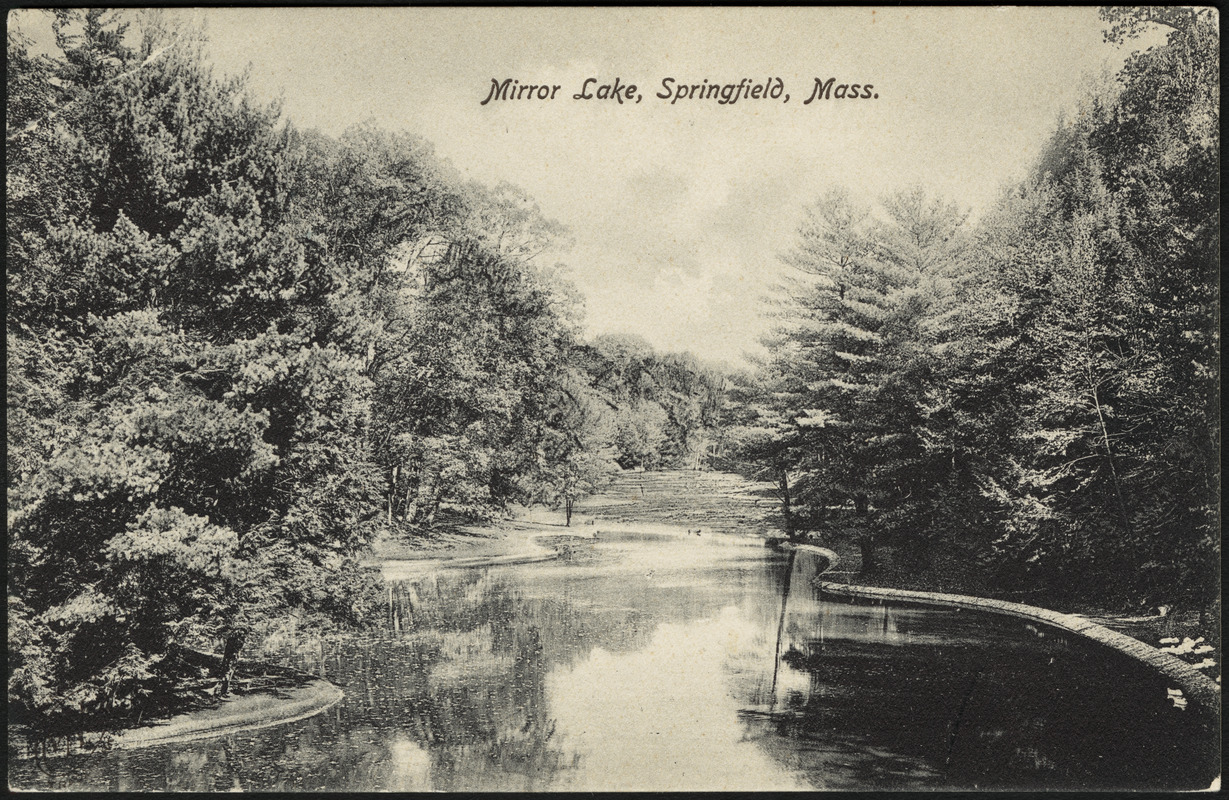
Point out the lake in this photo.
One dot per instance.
(686, 663)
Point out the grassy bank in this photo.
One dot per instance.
(710, 502)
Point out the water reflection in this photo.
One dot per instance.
(896, 696)
(673, 663)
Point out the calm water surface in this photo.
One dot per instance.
(693, 664)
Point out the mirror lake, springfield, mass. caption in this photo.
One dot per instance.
(674, 91)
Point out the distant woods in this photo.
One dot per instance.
(1038, 392)
(238, 350)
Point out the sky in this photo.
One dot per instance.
(678, 212)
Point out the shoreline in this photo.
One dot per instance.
(235, 714)
(1193, 683)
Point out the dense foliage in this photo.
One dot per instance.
(237, 351)
(1041, 390)
(187, 425)
(666, 406)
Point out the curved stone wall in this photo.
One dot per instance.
(1195, 686)
(296, 704)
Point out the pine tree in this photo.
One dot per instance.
(861, 336)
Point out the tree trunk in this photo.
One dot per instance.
(392, 493)
(230, 658)
(393, 484)
(1124, 512)
(867, 545)
(785, 506)
(436, 498)
(866, 542)
(567, 510)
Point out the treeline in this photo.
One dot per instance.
(667, 407)
(1038, 392)
(237, 350)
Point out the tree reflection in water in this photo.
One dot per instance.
(459, 677)
(871, 695)
(684, 664)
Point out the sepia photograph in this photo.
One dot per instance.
(565, 399)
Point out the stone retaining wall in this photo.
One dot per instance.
(1195, 686)
(236, 714)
